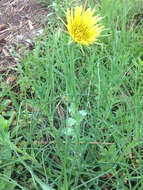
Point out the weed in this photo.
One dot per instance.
(75, 119)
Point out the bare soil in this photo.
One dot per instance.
(20, 21)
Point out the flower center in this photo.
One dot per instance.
(80, 31)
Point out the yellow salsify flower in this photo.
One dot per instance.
(82, 25)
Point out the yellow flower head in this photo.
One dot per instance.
(82, 25)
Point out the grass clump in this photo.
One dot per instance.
(73, 119)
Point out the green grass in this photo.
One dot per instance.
(73, 119)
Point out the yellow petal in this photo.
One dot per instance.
(78, 11)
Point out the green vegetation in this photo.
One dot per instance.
(73, 118)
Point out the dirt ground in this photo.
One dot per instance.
(20, 21)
